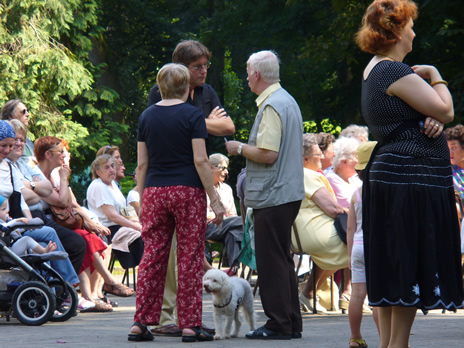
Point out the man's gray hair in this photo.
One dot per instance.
(267, 63)
(345, 149)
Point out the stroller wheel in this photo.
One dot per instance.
(33, 303)
(66, 300)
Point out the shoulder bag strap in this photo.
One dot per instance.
(11, 174)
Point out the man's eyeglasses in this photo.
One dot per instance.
(222, 168)
(200, 67)
(321, 155)
(24, 111)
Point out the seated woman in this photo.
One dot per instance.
(231, 230)
(133, 197)
(315, 223)
(113, 151)
(343, 177)
(106, 200)
(31, 195)
(50, 154)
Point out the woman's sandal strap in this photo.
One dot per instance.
(200, 335)
(119, 290)
(146, 335)
(361, 343)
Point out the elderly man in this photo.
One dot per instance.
(274, 189)
(195, 56)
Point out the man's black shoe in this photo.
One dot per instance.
(267, 334)
(296, 335)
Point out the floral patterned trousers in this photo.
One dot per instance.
(163, 209)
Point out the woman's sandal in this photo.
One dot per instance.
(146, 335)
(361, 343)
(120, 290)
(100, 306)
(344, 301)
(199, 335)
(106, 300)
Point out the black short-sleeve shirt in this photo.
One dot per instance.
(168, 132)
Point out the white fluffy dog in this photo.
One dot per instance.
(229, 294)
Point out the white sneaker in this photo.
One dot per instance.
(307, 304)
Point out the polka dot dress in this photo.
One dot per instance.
(383, 113)
(411, 239)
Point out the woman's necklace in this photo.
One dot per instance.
(384, 55)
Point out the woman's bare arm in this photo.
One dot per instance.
(327, 203)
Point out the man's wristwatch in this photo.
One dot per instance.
(33, 186)
(239, 149)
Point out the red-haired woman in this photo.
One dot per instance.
(50, 153)
(411, 231)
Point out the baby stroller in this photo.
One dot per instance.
(30, 289)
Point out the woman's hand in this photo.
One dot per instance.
(99, 228)
(425, 71)
(64, 172)
(218, 210)
(432, 127)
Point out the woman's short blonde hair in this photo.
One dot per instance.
(98, 163)
(173, 80)
(17, 125)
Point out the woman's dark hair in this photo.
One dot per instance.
(325, 139)
(188, 51)
(9, 108)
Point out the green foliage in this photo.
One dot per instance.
(85, 67)
(44, 60)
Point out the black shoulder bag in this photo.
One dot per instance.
(14, 200)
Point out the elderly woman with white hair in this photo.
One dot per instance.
(231, 230)
(315, 223)
(343, 176)
(357, 132)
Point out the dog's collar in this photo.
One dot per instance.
(239, 300)
(224, 305)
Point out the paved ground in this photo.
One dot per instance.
(330, 330)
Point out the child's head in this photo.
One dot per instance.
(4, 209)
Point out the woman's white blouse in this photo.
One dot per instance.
(99, 194)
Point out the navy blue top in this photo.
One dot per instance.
(168, 132)
(204, 97)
